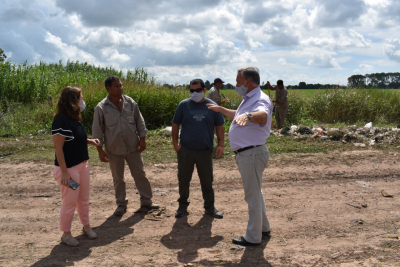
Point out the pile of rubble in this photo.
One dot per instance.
(359, 136)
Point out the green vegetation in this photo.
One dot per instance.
(26, 83)
(2, 55)
(39, 148)
(157, 104)
(29, 94)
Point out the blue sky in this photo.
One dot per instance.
(314, 41)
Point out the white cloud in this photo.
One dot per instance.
(258, 14)
(323, 60)
(178, 39)
(282, 37)
(366, 67)
(282, 61)
(337, 13)
(69, 51)
(113, 55)
(392, 49)
(338, 39)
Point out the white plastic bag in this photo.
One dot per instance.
(368, 125)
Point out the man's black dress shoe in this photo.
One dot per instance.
(266, 234)
(215, 213)
(180, 212)
(241, 241)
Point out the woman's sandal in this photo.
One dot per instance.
(89, 233)
(70, 241)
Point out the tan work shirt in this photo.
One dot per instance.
(118, 130)
(214, 94)
(281, 96)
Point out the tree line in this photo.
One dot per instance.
(375, 80)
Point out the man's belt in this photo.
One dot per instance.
(244, 149)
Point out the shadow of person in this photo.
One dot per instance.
(190, 238)
(109, 231)
(252, 256)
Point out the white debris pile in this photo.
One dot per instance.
(358, 135)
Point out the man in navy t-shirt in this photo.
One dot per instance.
(196, 146)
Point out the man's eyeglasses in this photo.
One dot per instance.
(198, 90)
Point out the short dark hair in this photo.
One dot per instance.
(251, 73)
(109, 80)
(279, 82)
(198, 81)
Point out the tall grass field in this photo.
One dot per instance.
(29, 94)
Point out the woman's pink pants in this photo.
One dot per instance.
(72, 199)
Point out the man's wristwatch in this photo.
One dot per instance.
(249, 116)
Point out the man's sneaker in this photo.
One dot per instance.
(120, 210)
(180, 212)
(150, 207)
(215, 213)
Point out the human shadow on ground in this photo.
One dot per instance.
(108, 232)
(190, 238)
(252, 256)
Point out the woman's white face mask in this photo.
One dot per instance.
(82, 104)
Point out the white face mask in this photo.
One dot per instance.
(241, 90)
(82, 104)
(197, 97)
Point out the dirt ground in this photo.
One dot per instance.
(324, 210)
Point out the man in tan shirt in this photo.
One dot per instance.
(281, 102)
(119, 125)
(214, 93)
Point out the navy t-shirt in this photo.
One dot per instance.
(198, 124)
(75, 146)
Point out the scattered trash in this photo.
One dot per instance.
(372, 142)
(358, 206)
(359, 145)
(368, 125)
(386, 194)
(5, 154)
(167, 130)
(359, 221)
(363, 184)
(359, 136)
(354, 206)
(336, 255)
(285, 130)
(237, 248)
(305, 130)
(220, 244)
(154, 215)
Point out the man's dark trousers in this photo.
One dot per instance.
(203, 161)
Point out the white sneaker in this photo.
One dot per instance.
(70, 241)
(90, 233)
